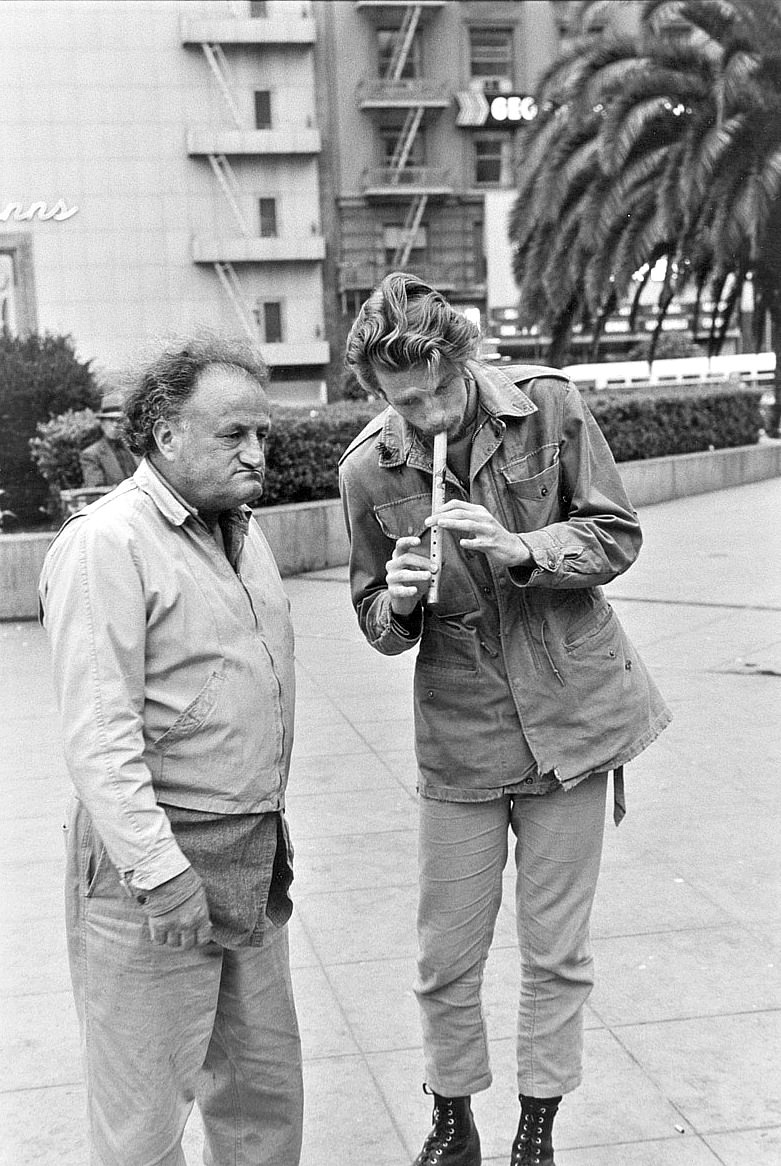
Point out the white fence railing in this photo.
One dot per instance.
(755, 368)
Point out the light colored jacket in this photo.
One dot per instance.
(174, 672)
(539, 646)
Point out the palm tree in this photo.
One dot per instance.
(663, 145)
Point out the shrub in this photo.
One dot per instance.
(55, 451)
(645, 423)
(304, 448)
(305, 445)
(40, 377)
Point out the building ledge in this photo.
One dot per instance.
(381, 93)
(388, 182)
(298, 352)
(294, 28)
(291, 140)
(293, 249)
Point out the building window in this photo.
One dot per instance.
(389, 139)
(268, 217)
(491, 56)
(258, 9)
(271, 321)
(262, 109)
(387, 39)
(492, 160)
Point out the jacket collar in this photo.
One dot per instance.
(172, 505)
(498, 397)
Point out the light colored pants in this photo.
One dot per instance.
(161, 1026)
(462, 854)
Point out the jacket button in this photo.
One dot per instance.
(612, 653)
(543, 490)
(430, 693)
(628, 665)
(528, 781)
(487, 591)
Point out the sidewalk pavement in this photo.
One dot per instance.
(683, 1041)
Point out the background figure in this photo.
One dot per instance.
(108, 461)
(173, 662)
(527, 690)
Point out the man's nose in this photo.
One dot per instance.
(253, 451)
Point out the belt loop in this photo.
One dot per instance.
(619, 799)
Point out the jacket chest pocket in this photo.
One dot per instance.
(532, 488)
(404, 517)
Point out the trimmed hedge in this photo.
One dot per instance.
(305, 445)
(646, 423)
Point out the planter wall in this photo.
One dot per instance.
(310, 536)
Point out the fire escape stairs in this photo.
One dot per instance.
(228, 183)
(406, 139)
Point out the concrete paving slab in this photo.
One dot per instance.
(691, 885)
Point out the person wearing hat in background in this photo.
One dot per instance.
(108, 461)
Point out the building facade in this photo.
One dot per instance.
(161, 166)
(425, 100)
(257, 166)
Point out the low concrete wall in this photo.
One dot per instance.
(310, 536)
(661, 479)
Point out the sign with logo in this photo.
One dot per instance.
(498, 111)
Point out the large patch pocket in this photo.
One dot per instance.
(448, 648)
(532, 484)
(404, 517)
(192, 718)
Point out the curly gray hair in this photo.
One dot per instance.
(406, 322)
(159, 389)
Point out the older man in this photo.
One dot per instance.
(527, 690)
(108, 461)
(173, 662)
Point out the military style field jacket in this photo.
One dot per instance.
(539, 645)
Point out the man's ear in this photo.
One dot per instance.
(166, 438)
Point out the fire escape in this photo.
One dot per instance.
(400, 178)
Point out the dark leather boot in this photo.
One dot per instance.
(533, 1145)
(454, 1140)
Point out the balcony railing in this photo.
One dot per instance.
(286, 28)
(382, 93)
(389, 180)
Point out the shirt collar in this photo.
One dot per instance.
(170, 502)
(498, 397)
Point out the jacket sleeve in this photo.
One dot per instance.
(370, 550)
(94, 612)
(600, 537)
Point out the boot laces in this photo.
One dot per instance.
(438, 1139)
(528, 1144)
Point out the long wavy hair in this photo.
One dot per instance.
(405, 322)
(159, 388)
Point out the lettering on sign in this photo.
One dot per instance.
(17, 213)
(505, 110)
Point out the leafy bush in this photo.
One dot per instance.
(40, 377)
(645, 423)
(305, 445)
(304, 448)
(55, 451)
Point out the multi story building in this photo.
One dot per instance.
(258, 165)
(424, 99)
(161, 173)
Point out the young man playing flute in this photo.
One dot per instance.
(527, 690)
